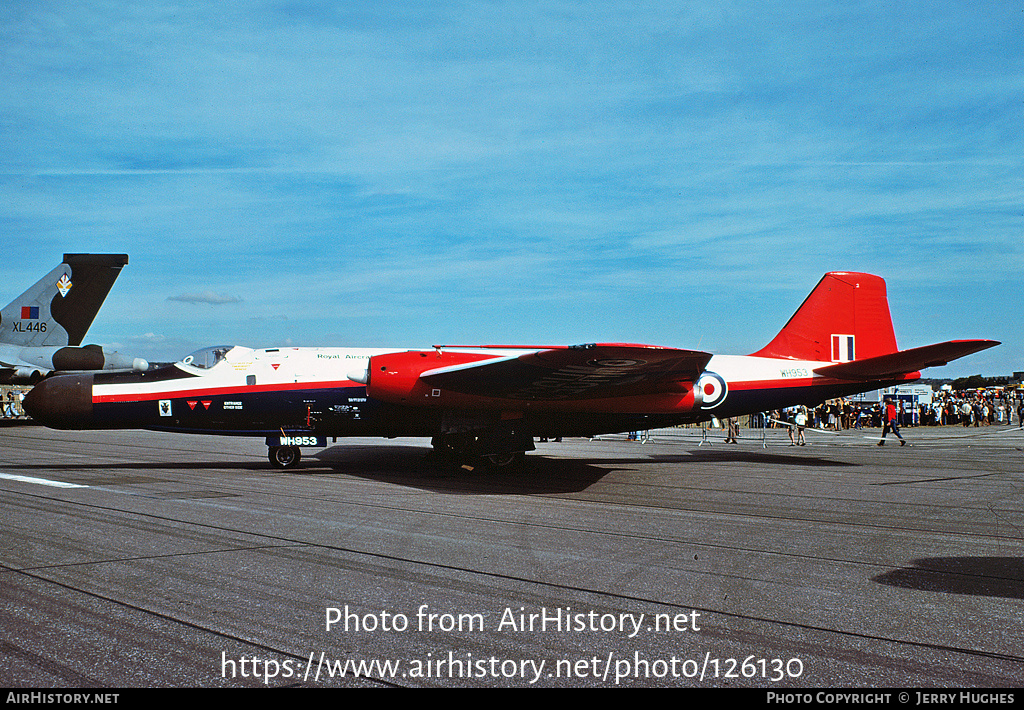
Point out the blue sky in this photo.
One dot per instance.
(414, 173)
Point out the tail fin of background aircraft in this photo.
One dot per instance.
(61, 306)
(845, 318)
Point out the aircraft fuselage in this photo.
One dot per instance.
(330, 392)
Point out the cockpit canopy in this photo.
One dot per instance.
(207, 357)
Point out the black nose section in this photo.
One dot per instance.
(62, 402)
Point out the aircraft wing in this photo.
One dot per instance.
(10, 359)
(16, 363)
(904, 361)
(576, 372)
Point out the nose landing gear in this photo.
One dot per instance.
(284, 456)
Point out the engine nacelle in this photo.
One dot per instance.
(26, 376)
(94, 357)
(394, 377)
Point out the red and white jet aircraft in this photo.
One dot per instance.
(490, 401)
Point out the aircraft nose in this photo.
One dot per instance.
(62, 402)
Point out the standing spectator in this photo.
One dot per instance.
(801, 422)
(891, 423)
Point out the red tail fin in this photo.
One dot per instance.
(845, 318)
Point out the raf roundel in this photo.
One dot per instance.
(617, 363)
(712, 390)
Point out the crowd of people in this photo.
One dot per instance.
(10, 403)
(972, 408)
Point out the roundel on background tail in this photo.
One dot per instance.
(711, 389)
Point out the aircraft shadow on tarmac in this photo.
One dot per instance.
(418, 467)
(976, 576)
(759, 456)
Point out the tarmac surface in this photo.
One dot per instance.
(176, 560)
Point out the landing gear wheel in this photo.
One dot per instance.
(284, 456)
(506, 461)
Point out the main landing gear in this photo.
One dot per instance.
(501, 450)
(509, 461)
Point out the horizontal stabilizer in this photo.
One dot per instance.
(578, 372)
(899, 363)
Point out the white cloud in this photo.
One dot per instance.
(209, 297)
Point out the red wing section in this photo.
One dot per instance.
(582, 372)
(883, 366)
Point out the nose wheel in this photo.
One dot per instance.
(284, 456)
